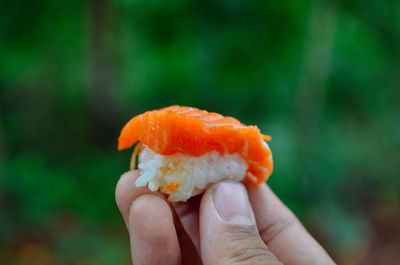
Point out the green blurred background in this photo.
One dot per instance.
(321, 77)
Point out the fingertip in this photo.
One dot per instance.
(228, 233)
(152, 231)
(125, 181)
(152, 207)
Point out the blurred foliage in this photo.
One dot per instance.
(321, 77)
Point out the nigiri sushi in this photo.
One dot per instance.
(182, 150)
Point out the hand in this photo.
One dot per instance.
(229, 224)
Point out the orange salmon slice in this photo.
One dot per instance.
(194, 132)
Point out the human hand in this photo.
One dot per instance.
(229, 224)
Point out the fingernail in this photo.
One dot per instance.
(232, 203)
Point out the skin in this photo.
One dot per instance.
(196, 232)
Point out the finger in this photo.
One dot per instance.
(228, 233)
(190, 255)
(188, 214)
(152, 232)
(284, 235)
(126, 191)
(187, 226)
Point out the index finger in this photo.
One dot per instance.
(279, 228)
(126, 192)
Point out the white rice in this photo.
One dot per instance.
(192, 174)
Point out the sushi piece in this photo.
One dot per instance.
(182, 150)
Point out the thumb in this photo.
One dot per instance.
(228, 232)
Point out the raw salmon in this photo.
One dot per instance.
(194, 132)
